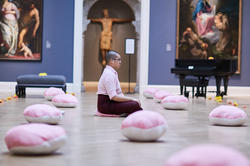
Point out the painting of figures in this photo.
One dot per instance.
(209, 29)
(21, 30)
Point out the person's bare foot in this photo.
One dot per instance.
(103, 62)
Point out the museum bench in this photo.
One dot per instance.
(36, 81)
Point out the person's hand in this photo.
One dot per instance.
(137, 100)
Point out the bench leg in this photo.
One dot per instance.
(21, 92)
(64, 88)
(24, 91)
(17, 91)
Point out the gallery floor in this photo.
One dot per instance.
(98, 141)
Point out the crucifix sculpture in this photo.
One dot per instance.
(106, 34)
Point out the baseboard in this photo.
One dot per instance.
(232, 90)
(9, 87)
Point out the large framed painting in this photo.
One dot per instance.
(209, 29)
(21, 30)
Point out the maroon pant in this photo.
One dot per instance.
(107, 106)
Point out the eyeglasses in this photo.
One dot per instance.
(117, 59)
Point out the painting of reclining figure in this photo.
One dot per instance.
(20, 30)
(208, 29)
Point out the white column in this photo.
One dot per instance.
(78, 47)
(144, 45)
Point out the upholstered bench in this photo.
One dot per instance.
(36, 81)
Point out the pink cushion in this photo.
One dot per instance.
(42, 113)
(149, 92)
(65, 100)
(144, 126)
(105, 115)
(207, 155)
(51, 92)
(227, 115)
(175, 102)
(160, 95)
(35, 138)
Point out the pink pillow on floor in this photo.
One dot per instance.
(65, 100)
(35, 138)
(42, 113)
(149, 92)
(227, 115)
(160, 95)
(51, 92)
(175, 102)
(144, 126)
(207, 155)
(106, 115)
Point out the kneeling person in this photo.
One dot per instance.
(110, 97)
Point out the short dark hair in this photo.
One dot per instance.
(111, 55)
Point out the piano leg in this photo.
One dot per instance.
(218, 83)
(225, 80)
(181, 78)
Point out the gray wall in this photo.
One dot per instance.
(163, 31)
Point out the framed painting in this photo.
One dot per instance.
(21, 30)
(209, 29)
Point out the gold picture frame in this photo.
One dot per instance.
(209, 29)
(21, 30)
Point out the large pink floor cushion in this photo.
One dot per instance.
(144, 126)
(160, 95)
(149, 92)
(207, 155)
(51, 92)
(175, 102)
(42, 113)
(35, 138)
(65, 100)
(227, 115)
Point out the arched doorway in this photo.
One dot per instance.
(117, 9)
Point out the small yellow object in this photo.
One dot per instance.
(67, 92)
(42, 74)
(235, 104)
(15, 96)
(218, 97)
(209, 98)
(8, 98)
(219, 100)
(210, 57)
(73, 94)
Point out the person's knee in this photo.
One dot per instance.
(136, 105)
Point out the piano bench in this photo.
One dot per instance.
(200, 84)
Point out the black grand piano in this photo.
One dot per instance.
(202, 69)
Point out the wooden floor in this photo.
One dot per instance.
(97, 141)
